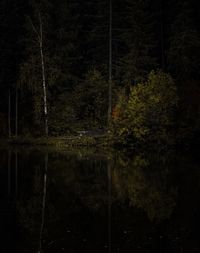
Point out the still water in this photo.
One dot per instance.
(98, 201)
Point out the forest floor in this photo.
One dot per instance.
(83, 139)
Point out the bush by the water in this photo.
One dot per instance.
(148, 112)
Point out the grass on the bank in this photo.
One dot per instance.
(63, 141)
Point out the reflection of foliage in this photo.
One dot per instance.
(29, 210)
(30, 206)
(29, 214)
(80, 176)
(157, 203)
(82, 180)
(146, 188)
(77, 191)
(74, 180)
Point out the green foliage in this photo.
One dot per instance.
(148, 114)
(3, 126)
(90, 99)
(75, 40)
(61, 117)
(184, 43)
(189, 114)
(139, 39)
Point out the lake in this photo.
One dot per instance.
(87, 200)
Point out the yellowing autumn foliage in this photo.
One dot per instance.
(149, 111)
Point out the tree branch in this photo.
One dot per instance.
(34, 29)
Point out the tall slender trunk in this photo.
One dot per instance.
(9, 114)
(16, 113)
(162, 36)
(110, 65)
(43, 78)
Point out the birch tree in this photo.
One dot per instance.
(39, 35)
(36, 70)
(110, 64)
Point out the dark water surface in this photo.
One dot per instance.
(98, 201)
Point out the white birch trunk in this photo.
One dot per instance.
(162, 35)
(110, 65)
(43, 78)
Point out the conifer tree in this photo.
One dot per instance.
(139, 41)
(184, 42)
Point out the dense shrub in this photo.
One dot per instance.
(148, 113)
(3, 126)
(91, 99)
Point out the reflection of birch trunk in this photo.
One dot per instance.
(109, 206)
(9, 172)
(43, 203)
(9, 114)
(16, 173)
(16, 112)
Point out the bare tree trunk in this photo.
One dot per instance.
(162, 35)
(110, 65)
(9, 114)
(43, 78)
(16, 113)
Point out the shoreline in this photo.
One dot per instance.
(61, 141)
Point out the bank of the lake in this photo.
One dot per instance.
(63, 141)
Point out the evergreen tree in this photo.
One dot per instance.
(139, 41)
(10, 54)
(184, 48)
(64, 43)
(90, 100)
(95, 40)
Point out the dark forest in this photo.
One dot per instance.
(130, 68)
(99, 126)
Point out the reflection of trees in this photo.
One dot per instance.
(31, 201)
(83, 179)
(145, 182)
(74, 183)
(82, 189)
(43, 203)
(29, 213)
